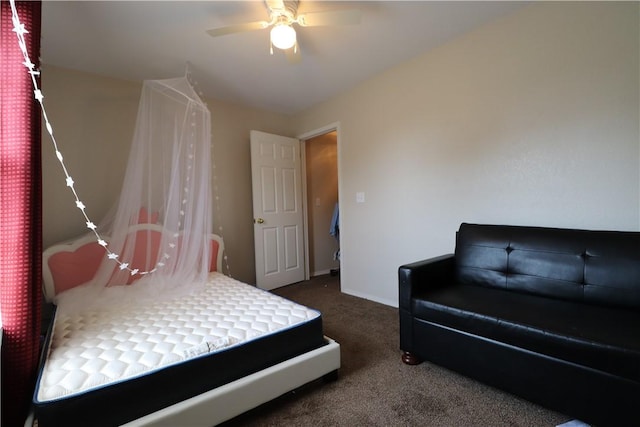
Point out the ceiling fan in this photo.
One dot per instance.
(282, 15)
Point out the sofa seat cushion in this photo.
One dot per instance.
(603, 338)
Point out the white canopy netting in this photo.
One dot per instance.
(167, 182)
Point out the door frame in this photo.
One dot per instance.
(304, 137)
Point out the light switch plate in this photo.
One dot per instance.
(360, 197)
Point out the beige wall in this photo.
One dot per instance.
(93, 119)
(321, 157)
(532, 119)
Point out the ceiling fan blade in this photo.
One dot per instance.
(275, 4)
(249, 26)
(331, 17)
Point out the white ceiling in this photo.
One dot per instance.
(156, 39)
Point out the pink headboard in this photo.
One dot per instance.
(72, 263)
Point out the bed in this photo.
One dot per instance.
(196, 359)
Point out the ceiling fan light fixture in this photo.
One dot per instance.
(283, 36)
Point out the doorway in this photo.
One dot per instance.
(322, 195)
(297, 234)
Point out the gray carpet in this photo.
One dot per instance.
(375, 388)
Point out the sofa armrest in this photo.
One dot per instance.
(432, 272)
(412, 278)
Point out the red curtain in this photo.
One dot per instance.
(20, 215)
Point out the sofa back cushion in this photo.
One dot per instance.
(600, 267)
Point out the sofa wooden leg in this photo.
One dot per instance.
(410, 358)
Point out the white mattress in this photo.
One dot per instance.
(99, 348)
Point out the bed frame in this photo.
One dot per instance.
(216, 405)
(230, 400)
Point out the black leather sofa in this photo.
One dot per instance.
(551, 315)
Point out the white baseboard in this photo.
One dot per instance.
(320, 273)
(369, 297)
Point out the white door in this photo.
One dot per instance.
(277, 210)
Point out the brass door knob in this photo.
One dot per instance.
(259, 221)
